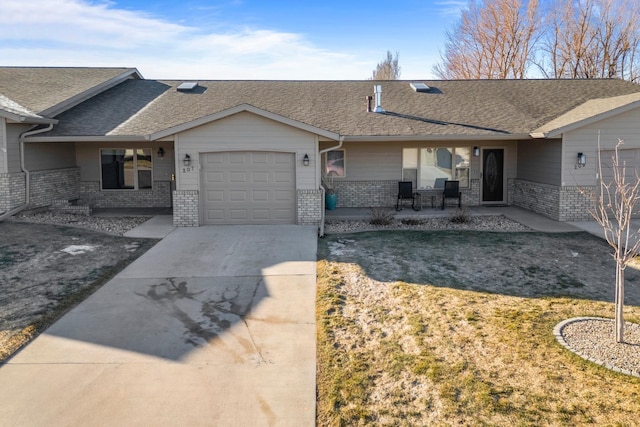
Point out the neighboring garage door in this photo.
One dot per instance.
(249, 187)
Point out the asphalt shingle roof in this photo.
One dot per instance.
(591, 108)
(452, 108)
(40, 88)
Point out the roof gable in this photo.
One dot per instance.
(13, 111)
(587, 113)
(238, 109)
(48, 91)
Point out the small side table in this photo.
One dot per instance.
(433, 193)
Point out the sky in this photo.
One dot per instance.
(232, 39)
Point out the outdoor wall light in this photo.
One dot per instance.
(187, 160)
(581, 161)
(476, 151)
(160, 152)
(305, 160)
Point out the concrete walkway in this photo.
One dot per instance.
(214, 326)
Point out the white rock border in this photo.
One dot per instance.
(557, 332)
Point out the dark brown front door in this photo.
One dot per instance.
(493, 175)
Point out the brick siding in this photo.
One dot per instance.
(559, 203)
(369, 194)
(158, 197)
(55, 184)
(12, 191)
(575, 203)
(186, 208)
(309, 207)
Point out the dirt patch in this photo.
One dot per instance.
(47, 269)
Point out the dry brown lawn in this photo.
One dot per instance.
(455, 328)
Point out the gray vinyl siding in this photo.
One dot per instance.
(13, 145)
(366, 161)
(540, 161)
(383, 160)
(245, 132)
(625, 126)
(46, 156)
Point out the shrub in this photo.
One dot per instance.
(460, 216)
(380, 216)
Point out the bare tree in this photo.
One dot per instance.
(591, 39)
(498, 39)
(493, 40)
(387, 69)
(615, 203)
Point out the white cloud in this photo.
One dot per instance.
(451, 8)
(83, 33)
(78, 22)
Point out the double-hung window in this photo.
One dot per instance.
(126, 168)
(430, 167)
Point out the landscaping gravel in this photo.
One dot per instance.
(112, 225)
(482, 223)
(594, 339)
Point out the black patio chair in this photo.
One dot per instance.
(405, 192)
(452, 191)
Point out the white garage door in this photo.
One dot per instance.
(249, 187)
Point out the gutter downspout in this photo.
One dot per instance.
(27, 172)
(320, 153)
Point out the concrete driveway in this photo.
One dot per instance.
(214, 326)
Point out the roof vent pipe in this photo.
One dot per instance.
(369, 98)
(377, 89)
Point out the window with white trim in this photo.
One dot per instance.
(429, 167)
(126, 168)
(335, 163)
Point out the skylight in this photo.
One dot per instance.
(420, 87)
(186, 86)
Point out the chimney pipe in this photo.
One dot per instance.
(378, 93)
(369, 98)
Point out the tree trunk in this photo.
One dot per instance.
(619, 321)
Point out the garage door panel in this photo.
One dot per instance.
(214, 196)
(238, 158)
(283, 196)
(215, 158)
(239, 177)
(238, 214)
(260, 196)
(249, 188)
(260, 158)
(214, 177)
(260, 177)
(238, 196)
(215, 214)
(261, 214)
(283, 158)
